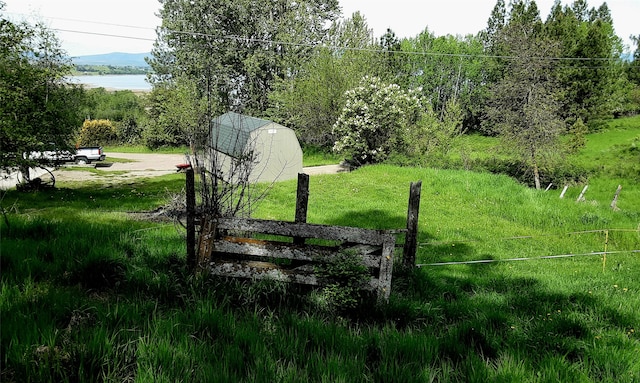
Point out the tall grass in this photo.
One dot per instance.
(91, 293)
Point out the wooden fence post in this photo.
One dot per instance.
(564, 190)
(302, 203)
(581, 196)
(411, 240)
(614, 203)
(191, 220)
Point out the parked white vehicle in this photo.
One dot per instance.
(85, 155)
(82, 155)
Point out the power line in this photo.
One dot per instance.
(375, 50)
(87, 22)
(322, 46)
(336, 47)
(104, 34)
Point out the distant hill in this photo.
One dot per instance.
(113, 59)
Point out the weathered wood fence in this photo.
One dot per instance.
(293, 256)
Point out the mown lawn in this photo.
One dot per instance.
(90, 292)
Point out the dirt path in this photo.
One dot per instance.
(145, 165)
(138, 165)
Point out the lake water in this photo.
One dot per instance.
(118, 82)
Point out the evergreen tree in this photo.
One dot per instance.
(523, 107)
(591, 70)
(633, 70)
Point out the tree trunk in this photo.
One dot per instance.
(536, 175)
(26, 176)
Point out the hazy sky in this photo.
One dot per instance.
(129, 24)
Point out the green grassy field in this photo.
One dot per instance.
(91, 292)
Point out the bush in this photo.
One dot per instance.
(373, 122)
(346, 276)
(157, 135)
(561, 174)
(97, 133)
(128, 131)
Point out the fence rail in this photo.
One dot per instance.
(248, 257)
(229, 247)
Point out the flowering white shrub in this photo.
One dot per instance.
(375, 120)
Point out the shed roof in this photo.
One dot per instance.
(230, 132)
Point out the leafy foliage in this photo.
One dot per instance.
(97, 133)
(177, 115)
(37, 105)
(240, 49)
(446, 69)
(310, 102)
(124, 108)
(346, 277)
(375, 120)
(115, 106)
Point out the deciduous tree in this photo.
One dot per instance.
(234, 51)
(311, 101)
(37, 104)
(446, 68)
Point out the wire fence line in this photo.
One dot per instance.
(431, 243)
(605, 253)
(557, 256)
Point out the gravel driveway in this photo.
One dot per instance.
(138, 165)
(146, 165)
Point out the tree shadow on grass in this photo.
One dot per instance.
(474, 315)
(476, 310)
(141, 194)
(375, 219)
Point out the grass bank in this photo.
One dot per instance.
(91, 292)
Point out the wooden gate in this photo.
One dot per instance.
(293, 251)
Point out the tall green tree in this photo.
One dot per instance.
(633, 70)
(633, 74)
(176, 116)
(393, 61)
(311, 101)
(523, 107)
(496, 23)
(592, 70)
(234, 51)
(38, 106)
(446, 68)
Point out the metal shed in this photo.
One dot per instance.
(273, 148)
